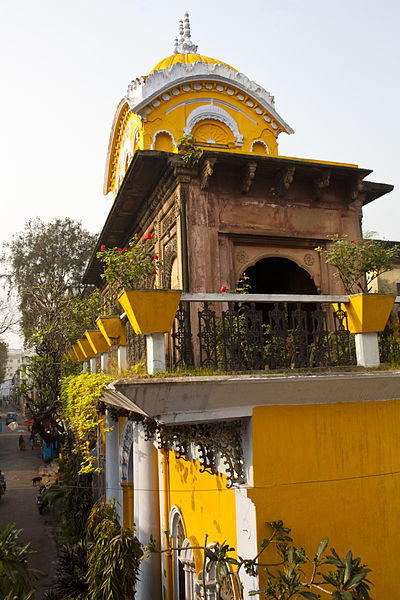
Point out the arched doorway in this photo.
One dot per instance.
(276, 275)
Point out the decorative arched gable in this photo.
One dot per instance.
(213, 112)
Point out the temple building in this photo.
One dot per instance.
(302, 448)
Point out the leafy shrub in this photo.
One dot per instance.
(16, 578)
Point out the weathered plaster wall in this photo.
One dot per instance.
(228, 231)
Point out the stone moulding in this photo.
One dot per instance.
(162, 131)
(142, 91)
(211, 111)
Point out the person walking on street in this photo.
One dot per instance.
(21, 442)
(32, 440)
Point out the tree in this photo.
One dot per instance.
(3, 360)
(46, 263)
(359, 262)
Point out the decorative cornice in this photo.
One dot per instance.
(143, 90)
(213, 442)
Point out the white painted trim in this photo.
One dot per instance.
(215, 101)
(224, 297)
(204, 416)
(174, 514)
(211, 111)
(367, 349)
(162, 131)
(246, 535)
(260, 142)
(125, 449)
(143, 90)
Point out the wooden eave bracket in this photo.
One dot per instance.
(321, 182)
(206, 172)
(356, 188)
(250, 172)
(283, 180)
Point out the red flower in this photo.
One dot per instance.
(126, 249)
(119, 250)
(155, 257)
(154, 272)
(148, 236)
(102, 247)
(223, 288)
(353, 242)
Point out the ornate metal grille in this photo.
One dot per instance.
(136, 346)
(344, 353)
(208, 337)
(389, 341)
(321, 355)
(182, 354)
(294, 336)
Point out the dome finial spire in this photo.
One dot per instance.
(184, 44)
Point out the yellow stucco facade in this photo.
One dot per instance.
(195, 95)
(332, 470)
(206, 504)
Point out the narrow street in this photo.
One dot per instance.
(18, 504)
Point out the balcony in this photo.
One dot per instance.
(227, 333)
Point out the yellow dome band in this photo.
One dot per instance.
(187, 59)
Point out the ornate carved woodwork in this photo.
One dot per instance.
(283, 180)
(249, 175)
(321, 181)
(206, 172)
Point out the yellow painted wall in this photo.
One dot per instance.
(169, 112)
(206, 504)
(333, 470)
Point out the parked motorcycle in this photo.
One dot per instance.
(42, 502)
(3, 485)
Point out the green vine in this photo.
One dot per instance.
(79, 396)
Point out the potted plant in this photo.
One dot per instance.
(129, 270)
(358, 264)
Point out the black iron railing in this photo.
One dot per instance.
(262, 333)
(240, 338)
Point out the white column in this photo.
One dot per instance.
(113, 488)
(92, 364)
(104, 362)
(147, 513)
(246, 532)
(122, 358)
(367, 349)
(155, 346)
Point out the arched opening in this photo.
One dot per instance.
(213, 133)
(178, 534)
(164, 142)
(259, 147)
(276, 275)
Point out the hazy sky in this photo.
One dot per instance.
(333, 67)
